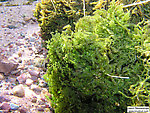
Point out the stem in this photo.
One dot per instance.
(84, 7)
(53, 5)
(142, 2)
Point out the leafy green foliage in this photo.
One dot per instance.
(83, 64)
(53, 15)
(140, 91)
(138, 12)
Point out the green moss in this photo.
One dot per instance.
(53, 15)
(83, 65)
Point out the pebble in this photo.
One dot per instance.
(34, 99)
(47, 110)
(42, 83)
(11, 26)
(30, 48)
(45, 92)
(34, 73)
(12, 80)
(14, 106)
(15, 72)
(29, 93)
(40, 109)
(5, 106)
(27, 19)
(6, 66)
(29, 82)
(19, 54)
(21, 67)
(23, 77)
(19, 90)
(40, 102)
(1, 76)
(35, 88)
(34, 78)
(23, 110)
(4, 99)
(32, 40)
(19, 43)
(20, 37)
(43, 99)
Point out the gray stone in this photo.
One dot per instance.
(5, 106)
(15, 72)
(14, 106)
(29, 82)
(40, 109)
(34, 73)
(35, 88)
(4, 99)
(23, 77)
(11, 26)
(7, 66)
(23, 110)
(34, 78)
(19, 90)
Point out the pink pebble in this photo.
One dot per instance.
(29, 82)
(20, 37)
(5, 106)
(22, 78)
(34, 73)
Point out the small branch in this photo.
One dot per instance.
(84, 7)
(53, 5)
(118, 77)
(142, 2)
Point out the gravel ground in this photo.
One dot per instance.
(22, 62)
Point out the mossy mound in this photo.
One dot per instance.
(88, 68)
(53, 15)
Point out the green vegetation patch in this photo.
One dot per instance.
(91, 69)
(53, 15)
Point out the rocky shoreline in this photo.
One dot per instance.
(22, 62)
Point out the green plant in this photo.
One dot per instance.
(53, 15)
(85, 66)
(138, 12)
(141, 90)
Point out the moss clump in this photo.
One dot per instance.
(85, 65)
(140, 90)
(138, 12)
(53, 15)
